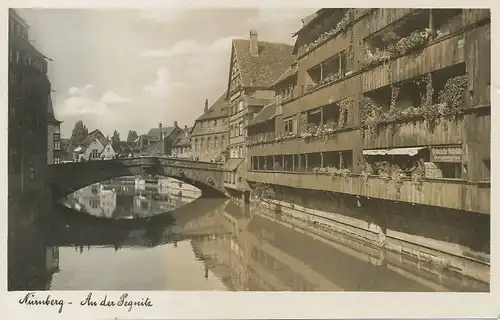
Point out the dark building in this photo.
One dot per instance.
(29, 89)
(28, 101)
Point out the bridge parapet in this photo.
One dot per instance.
(69, 177)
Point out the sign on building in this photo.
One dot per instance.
(446, 154)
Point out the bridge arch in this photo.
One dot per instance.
(68, 177)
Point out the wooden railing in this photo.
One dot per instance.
(448, 193)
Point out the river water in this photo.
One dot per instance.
(162, 234)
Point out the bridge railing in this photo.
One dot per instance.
(165, 160)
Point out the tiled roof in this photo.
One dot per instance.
(124, 146)
(291, 71)
(262, 70)
(182, 141)
(155, 132)
(96, 134)
(217, 110)
(267, 113)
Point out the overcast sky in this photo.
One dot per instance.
(131, 69)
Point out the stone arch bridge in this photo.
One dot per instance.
(69, 177)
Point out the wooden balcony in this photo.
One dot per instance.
(440, 53)
(414, 133)
(323, 95)
(343, 140)
(448, 193)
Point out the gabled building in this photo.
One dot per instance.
(254, 67)
(209, 136)
(182, 145)
(95, 147)
(158, 141)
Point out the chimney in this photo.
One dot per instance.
(254, 44)
(175, 124)
(185, 127)
(206, 105)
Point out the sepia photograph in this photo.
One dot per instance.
(249, 149)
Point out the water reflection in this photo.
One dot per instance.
(132, 197)
(217, 244)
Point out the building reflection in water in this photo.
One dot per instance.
(132, 197)
(207, 244)
(267, 253)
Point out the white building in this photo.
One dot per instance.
(95, 147)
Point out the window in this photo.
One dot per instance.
(18, 57)
(10, 55)
(240, 106)
(13, 78)
(450, 170)
(18, 30)
(57, 145)
(57, 160)
(216, 144)
(289, 125)
(215, 122)
(240, 152)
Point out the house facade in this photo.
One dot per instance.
(209, 136)
(181, 147)
(95, 147)
(158, 141)
(254, 67)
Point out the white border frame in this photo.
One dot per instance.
(218, 305)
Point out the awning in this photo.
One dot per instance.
(232, 164)
(411, 151)
(405, 151)
(375, 152)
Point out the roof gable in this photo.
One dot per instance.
(262, 70)
(92, 136)
(219, 109)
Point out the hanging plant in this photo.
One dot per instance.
(371, 59)
(415, 39)
(340, 27)
(366, 171)
(345, 109)
(350, 51)
(333, 172)
(371, 115)
(417, 174)
(397, 176)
